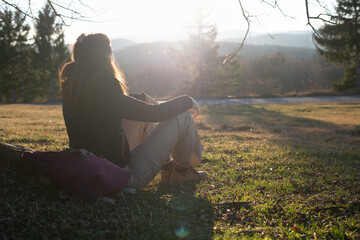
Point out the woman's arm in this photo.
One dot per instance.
(127, 107)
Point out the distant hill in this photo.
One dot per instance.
(297, 44)
(120, 43)
(135, 56)
(158, 52)
(301, 39)
(250, 50)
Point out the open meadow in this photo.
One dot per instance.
(282, 171)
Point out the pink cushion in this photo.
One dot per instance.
(88, 177)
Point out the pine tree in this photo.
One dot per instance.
(228, 76)
(14, 57)
(23, 56)
(198, 55)
(6, 52)
(340, 42)
(51, 50)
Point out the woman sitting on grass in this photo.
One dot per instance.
(101, 117)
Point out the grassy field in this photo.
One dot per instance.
(276, 172)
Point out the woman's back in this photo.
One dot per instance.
(95, 126)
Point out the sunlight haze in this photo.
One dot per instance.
(156, 20)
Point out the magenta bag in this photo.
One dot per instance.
(79, 173)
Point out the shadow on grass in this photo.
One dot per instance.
(264, 117)
(294, 128)
(43, 211)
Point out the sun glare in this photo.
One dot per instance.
(136, 17)
(168, 19)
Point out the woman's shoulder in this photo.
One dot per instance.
(109, 90)
(108, 84)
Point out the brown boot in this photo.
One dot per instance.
(186, 175)
(166, 171)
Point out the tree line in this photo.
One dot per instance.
(29, 64)
(29, 60)
(151, 68)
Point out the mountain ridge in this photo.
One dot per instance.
(285, 39)
(225, 48)
(279, 39)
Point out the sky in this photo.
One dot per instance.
(152, 20)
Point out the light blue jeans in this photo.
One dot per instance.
(153, 143)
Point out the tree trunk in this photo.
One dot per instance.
(14, 96)
(0, 87)
(357, 74)
(23, 91)
(8, 97)
(52, 93)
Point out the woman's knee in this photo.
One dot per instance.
(184, 117)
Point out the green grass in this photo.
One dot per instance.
(276, 172)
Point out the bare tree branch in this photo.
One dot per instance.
(62, 10)
(246, 17)
(56, 13)
(68, 9)
(320, 16)
(325, 17)
(18, 9)
(308, 19)
(323, 6)
(87, 6)
(276, 5)
(29, 8)
(267, 32)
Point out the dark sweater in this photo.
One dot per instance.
(96, 125)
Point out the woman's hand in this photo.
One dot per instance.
(195, 108)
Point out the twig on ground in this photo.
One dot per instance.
(232, 204)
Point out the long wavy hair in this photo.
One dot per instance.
(91, 65)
